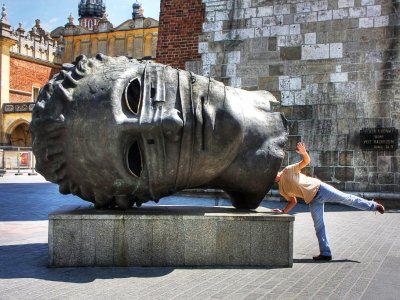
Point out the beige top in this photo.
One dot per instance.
(295, 184)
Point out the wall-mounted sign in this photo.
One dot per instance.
(18, 107)
(379, 139)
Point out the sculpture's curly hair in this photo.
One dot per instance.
(48, 129)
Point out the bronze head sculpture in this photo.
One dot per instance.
(117, 131)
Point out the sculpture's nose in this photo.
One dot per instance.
(172, 125)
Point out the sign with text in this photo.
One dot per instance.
(18, 107)
(379, 139)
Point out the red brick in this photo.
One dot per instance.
(179, 29)
(24, 75)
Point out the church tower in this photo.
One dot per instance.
(137, 10)
(90, 13)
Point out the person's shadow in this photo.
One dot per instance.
(311, 261)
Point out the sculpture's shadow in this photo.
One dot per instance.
(30, 261)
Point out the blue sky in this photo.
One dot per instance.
(54, 13)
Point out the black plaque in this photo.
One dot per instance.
(379, 139)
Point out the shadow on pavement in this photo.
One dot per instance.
(31, 201)
(30, 261)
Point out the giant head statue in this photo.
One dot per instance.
(117, 131)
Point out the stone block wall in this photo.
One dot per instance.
(334, 67)
(160, 236)
(180, 28)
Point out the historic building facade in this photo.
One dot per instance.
(26, 64)
(30, 58)
(333, 65)
(136, 37)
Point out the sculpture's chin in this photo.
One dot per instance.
(244, 200)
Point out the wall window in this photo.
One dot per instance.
(35, 93)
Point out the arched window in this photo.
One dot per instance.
(18, 134)
(35, 93)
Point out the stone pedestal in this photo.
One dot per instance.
(170, 236)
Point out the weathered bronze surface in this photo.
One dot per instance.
(117, 131)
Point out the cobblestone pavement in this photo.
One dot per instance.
(366, 261)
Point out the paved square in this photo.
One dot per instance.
(366, 261)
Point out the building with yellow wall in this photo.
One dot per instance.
(26, 64)
(28, 59)
(136, 37)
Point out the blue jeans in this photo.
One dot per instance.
(328, 193)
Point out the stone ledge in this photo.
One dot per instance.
(170, 236)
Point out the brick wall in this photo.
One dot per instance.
(180, 27)
(24, 75)
(16, 97)
(334, 66)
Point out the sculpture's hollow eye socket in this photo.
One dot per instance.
(134, 159)
(133, 96)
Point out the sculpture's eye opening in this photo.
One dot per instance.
(133, 96)
(134, 159)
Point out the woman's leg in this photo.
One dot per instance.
(334, 195)
(317, 213)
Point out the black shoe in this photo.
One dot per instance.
(322, 257)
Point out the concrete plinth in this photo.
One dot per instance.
(170, 236)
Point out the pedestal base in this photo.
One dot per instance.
(170, 236)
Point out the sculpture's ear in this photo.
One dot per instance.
(265, 95)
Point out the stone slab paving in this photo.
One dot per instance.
(366, 258)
